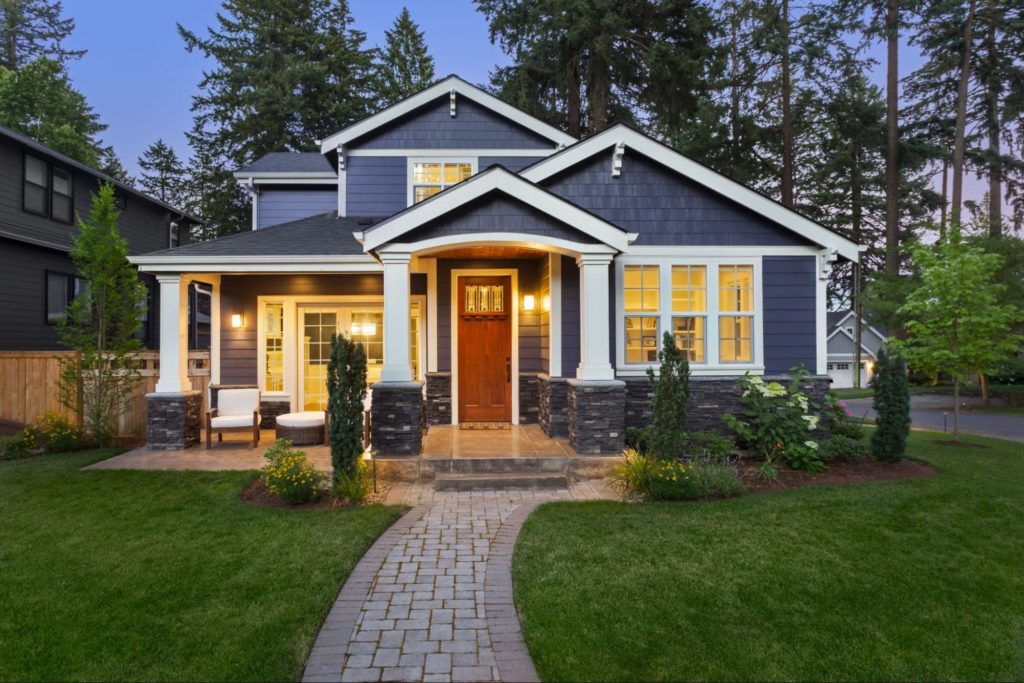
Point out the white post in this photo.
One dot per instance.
(173, 335)
(396, 318)
(594, 314)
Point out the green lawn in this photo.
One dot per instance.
(915, 580)
(112, 575)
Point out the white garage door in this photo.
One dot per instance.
(842, 375)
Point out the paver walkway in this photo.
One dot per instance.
(432, 600)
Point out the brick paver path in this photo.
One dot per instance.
(432, 599)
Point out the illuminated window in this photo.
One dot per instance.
(429, 178)
(736, 300)
(273, 335)
(690, 297)
(642, 295)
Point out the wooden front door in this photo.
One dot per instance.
(485, 348)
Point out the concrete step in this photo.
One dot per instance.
(498, 465)
(500, 481)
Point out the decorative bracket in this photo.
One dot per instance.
(826, 258)
(341, 158)
(620, 150)
(451, 102)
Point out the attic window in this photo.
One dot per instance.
(428, 177)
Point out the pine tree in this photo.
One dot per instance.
(346, 391)
(284, 76)
(892, 407)
(34, 28)
(405, 66)
(101, 322)
(163, 175)
(666, 434)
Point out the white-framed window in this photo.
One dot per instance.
(712, 307)
(842, 366)
(428, 176)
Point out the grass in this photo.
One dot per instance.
(114, 575)
(919, 580)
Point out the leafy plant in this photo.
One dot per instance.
(346, 391)
(666, 479)
(666, 434)
(841, 420)
(892, 406)
(708, 445)
(355, 488)
(289, 475)
(636, 438)
(21, 445)
(54, 433)
(843, 448)
(777, 422)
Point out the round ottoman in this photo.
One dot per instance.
(302, 429)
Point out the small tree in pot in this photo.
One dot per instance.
(346, 391)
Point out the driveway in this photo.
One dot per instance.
(929, 411)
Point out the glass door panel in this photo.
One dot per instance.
(317, 327)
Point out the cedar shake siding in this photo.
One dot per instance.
(433, 127)
(289, 204)
(789, 313)
(376, 186)
(664, 207)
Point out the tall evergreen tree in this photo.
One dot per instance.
(284, 75)
(405, 66)
(163, 174)
(34, 28)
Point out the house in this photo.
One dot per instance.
(41, 193)
(841, 346)
(496, 270)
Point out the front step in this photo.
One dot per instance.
(498, 465)
(500, 481)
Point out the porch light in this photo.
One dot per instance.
(237, 320)
(529, 302)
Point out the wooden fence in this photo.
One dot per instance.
(30, 385)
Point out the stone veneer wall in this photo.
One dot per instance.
(597, 416)
(438, 407)
(553, 405)
(529, 398)
(396, 423)
(710, 398)
(173, 420)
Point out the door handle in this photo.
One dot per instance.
(508, 369)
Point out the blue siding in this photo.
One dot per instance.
(514, 164)
(376, 186)
(286, 205)
(498, 213)
(433, 127)
(570, 317)
(664, 207)
(789, 313)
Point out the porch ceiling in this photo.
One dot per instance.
(490, 252)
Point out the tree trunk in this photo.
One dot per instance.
(857, 219)
(959, 139)
(599, 91)
(572, 99)
(956, 409)
(787, 114)
(986, 397)
(858, 311)
(734, 85)
(992, 91)
(892, 150)
(945, 199)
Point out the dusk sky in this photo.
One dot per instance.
(139, 78)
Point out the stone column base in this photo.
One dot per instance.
(396, 416)
(553, 415)
(597, 416)
(173, 421)
(439, 398)
(529, 398)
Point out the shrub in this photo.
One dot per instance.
(668, 479)
(709, 445)
(892, 405)
(21, 445)
(636, 438)
(346, 391)
(632, 475)
(843, 448)
(777, 422)
(841, 420)
(54, 433)
(289, 476)
(666, 435)
(355, 488)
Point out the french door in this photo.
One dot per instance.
(317, 323)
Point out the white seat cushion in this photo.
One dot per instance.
(238, 401)
(309, 418)
(222, 421)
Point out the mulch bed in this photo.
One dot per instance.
(256, 493)
(837, 473)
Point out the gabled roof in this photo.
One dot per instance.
(835, 320)
(636, 142)
(495, 179)
(277, 164)
(440, 89)
(68, 161)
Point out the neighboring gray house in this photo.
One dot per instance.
(497, 270)
(41, 192)
(841, 346)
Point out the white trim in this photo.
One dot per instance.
(594, 305)
(431, 266)
(471, 272)
(325, 180)
(555, 315)
(173, 378)
(183, 263)
(475, 152)
(213, 281)
(724, 250)
(451, 84)
(702, 175)
(503, 239)
(435, 159)
(397, 290)
(711, 365)
(838, 327)
(821, 313)
(494, 179)
(243, 176)
(342, 181)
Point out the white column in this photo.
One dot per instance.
(594, 315)
(173, 335)
(396, 318)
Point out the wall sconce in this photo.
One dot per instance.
(529, 302)
(237, 320)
